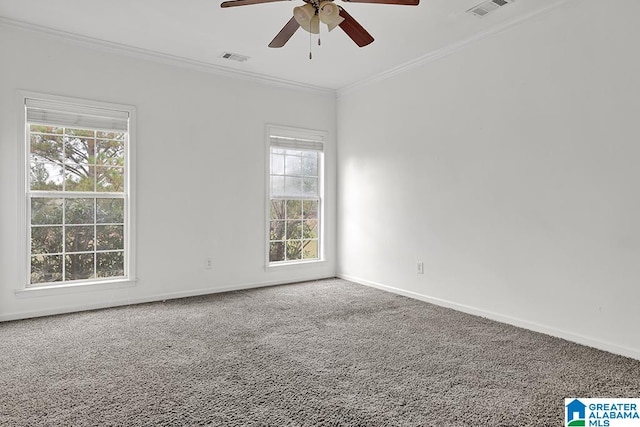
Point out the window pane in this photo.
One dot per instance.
(294, 249)
(79, 266)
(310, 208)
(79, 146)
(46, 240)
(46, 268)
(110, 135)
(109, 179)
(110, 211)
(276, 251)
(110, 237)
(46, 147)
(110, 264)
(79, 238)
(46, 176)
(46, 211)
(80, 133)
(310, 249)
(294, 209)
(277, 164)
(294, 230)
(293, 186)
(277, 186)
(310, 229)
(276, 230)
(310, 186)
(110, 152)
(310, 165)
(79, 211)
(80, 177)
(277, 209)
(46, 129)
(293, 165)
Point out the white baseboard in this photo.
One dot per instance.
(533, 326)
(142, 300)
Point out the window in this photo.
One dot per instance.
(77, 191)
(295, 196)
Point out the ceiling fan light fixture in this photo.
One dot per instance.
(329, 14)
(306, 17)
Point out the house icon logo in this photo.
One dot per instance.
(576, 413)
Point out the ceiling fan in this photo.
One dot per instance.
(313, 12)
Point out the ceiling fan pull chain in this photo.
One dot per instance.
(310, 56)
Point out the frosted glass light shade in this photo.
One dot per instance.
(306, 17)
(329, 14)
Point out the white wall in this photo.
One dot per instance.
(200, 169)
(510, 168)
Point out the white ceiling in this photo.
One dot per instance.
(199, 31)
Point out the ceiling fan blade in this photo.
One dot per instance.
(285, 33)
(233, 3)
(354, 30)
(400, 2)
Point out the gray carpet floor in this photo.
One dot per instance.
(323, 353)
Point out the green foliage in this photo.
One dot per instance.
(45, 176)
(79, 210)
(79, 266)
(110, 237)
(109, 211)
(46, 211)
(110, 264)
(46, 268)
(79, 238)
(46, 240)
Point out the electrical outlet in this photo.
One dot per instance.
(420, 268)
(208, 263)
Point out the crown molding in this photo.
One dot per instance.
(446, 50)
(163, 58)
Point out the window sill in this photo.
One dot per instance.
(42, 291)
(295, 264)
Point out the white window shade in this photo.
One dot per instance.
(297, 143)
(55, 113)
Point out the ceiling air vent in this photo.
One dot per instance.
(237, 57)
(486, 7)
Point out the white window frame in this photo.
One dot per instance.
(296, 134)
(24, 214)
